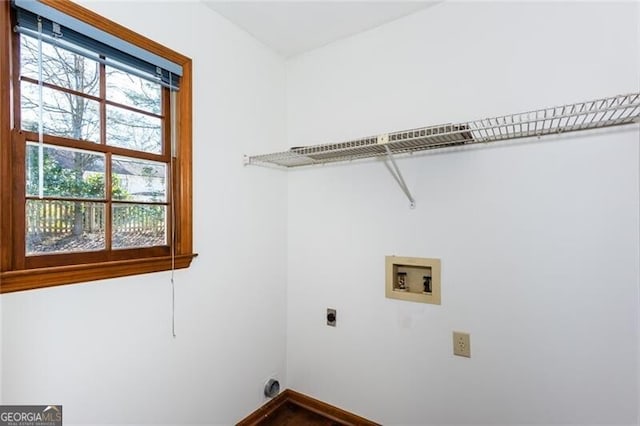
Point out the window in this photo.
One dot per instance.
(95, 151)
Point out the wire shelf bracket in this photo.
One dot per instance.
(391, 164)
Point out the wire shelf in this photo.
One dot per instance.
(606, 112)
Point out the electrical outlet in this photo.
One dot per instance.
(332, 317)
(461, 344)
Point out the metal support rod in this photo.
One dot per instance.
(397, 175)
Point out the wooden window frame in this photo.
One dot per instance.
(14, 274)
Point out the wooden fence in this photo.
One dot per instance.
(54, 217)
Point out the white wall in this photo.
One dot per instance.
(104, 350)
(538, 240)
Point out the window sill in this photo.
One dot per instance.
(30, 279)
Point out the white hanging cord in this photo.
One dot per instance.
(173, 209)
(41, 116)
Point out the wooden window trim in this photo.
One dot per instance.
(14, 279)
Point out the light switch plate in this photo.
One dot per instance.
(461, 344)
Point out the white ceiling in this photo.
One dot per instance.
(293, 27)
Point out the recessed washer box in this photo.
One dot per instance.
(414, 279)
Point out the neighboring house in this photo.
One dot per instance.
(145, 182)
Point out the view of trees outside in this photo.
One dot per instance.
(66, 219)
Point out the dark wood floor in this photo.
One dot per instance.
(291, 408)
(290, 414)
